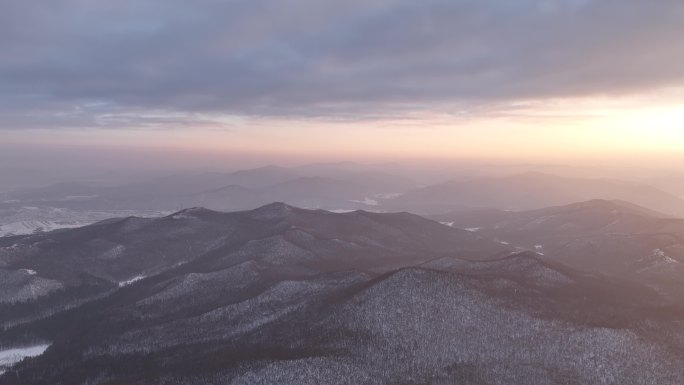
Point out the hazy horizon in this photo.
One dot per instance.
(239, 84)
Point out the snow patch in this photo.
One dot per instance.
(30, 219)
(450, 224)
(113, 253)
(657, 259)
(660, 254)
(28, 227)
(131, 281)
(473, 229)
(10, 357)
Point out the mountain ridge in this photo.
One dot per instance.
(532, 191)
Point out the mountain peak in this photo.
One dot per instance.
(273, 210)
(192, 212)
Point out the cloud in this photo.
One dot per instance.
(321, 59)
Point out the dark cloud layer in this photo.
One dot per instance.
(73, 63)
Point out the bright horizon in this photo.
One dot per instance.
(575, 82)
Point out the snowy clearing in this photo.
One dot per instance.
(10, 357)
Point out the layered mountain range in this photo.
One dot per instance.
(533, 190)
(286, 295)
(67, 204)
(341, 189)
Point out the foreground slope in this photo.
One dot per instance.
(291, 296)
(515, 320)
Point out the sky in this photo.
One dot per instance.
(510, 80)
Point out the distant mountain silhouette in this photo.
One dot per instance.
(532, 191)
(341, 189)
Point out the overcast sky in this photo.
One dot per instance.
(347, 77)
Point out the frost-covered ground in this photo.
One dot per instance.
(30, 219)
(13, 356)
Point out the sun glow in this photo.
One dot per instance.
(549, 130)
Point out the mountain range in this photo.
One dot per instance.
(612, 237)
(532, 191)
(286, 295)
(336, 187)
(339, 189)
(82, 263)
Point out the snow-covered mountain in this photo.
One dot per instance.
(301, 296)
(91, 260)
